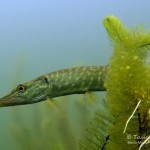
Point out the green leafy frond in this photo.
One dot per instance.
(123, 37)
(96, 136)
(117, 32)
(128, 82)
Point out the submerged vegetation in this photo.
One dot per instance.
(49, 127)
(121, 123)
(97, 137)
(126, 125)
(128, 82)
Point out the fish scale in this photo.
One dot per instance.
(77, 80)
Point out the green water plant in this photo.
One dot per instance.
(46, 126)
(96, 136)
(127, 83)
(124, 123)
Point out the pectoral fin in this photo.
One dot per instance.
(53, 102)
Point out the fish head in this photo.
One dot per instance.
(27, 93)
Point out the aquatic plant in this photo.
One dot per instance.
(52, 127)
(128, 82)
(126, 124)
(96, 136)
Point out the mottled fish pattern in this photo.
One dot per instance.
(77, 80)
(59, 83)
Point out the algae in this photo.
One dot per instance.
(127, 83)
(96, 136)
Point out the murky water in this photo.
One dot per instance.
(37, 37)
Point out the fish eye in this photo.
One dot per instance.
(21, 88)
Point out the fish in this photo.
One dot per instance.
(76, 80)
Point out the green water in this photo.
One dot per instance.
(37, 37)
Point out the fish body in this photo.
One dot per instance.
(75, 80)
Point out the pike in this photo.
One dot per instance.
(77, 80)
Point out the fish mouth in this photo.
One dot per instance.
(10, 101)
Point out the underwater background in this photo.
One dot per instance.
(41, 36)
